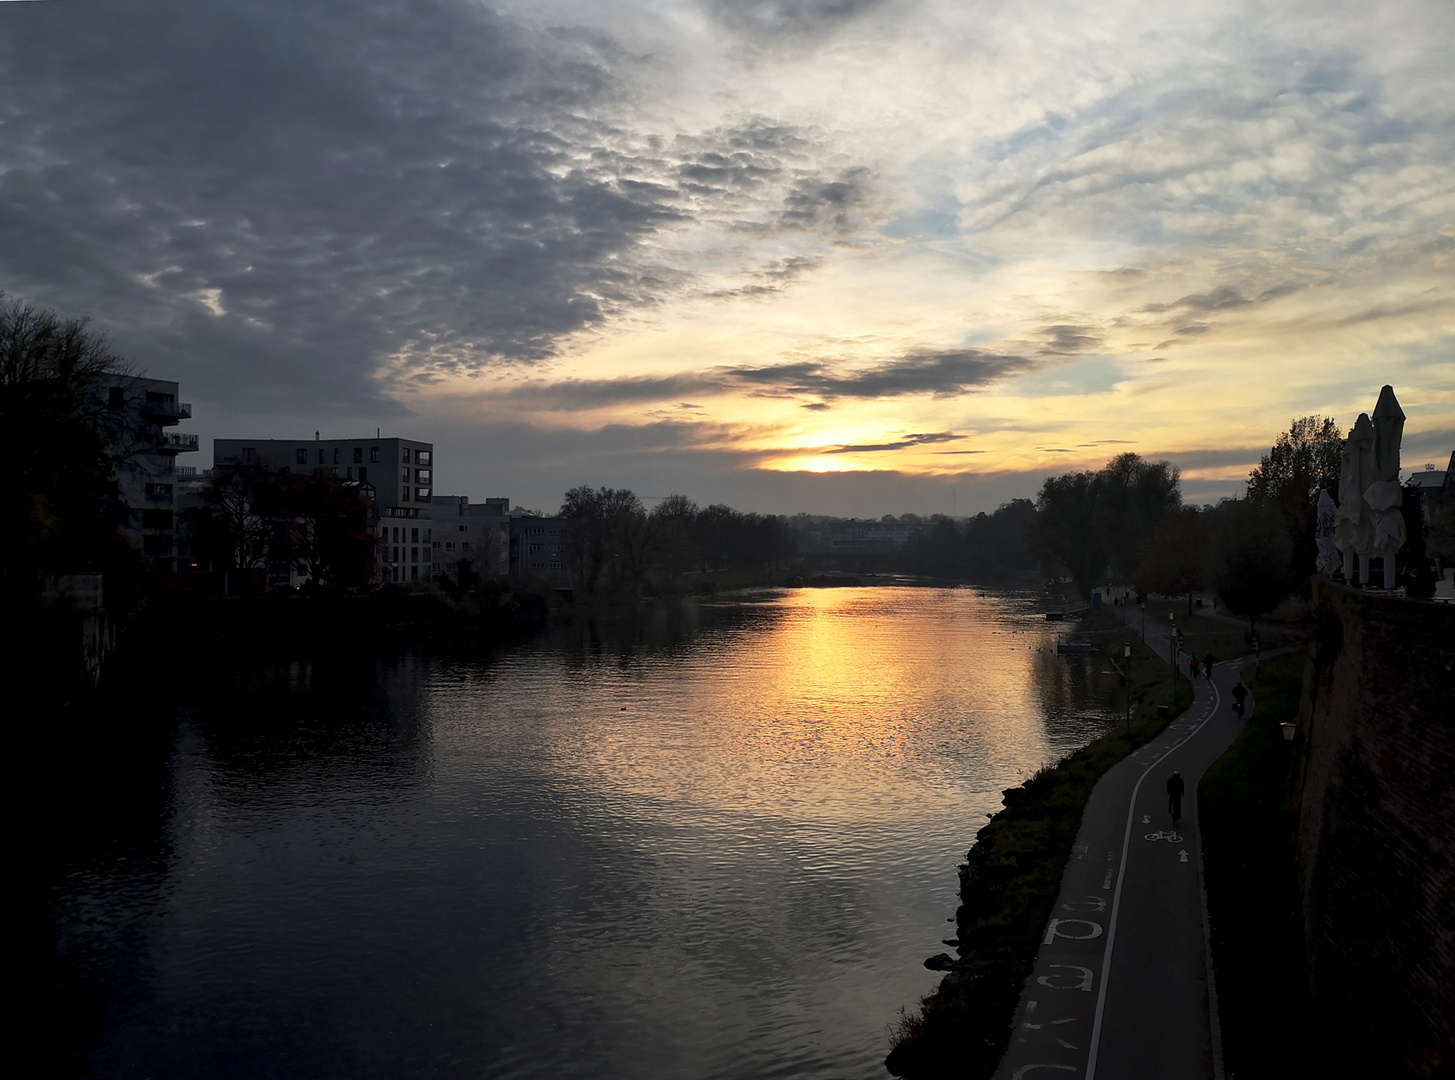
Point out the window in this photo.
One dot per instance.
(334, 470)
(427, 535)
(421, 476)
(348, 472)
(405, 476)
(156, 519)
(335, 455)
(321, 460)
(414, 536)
(396, 573)
(406, 495)
(302, 456)
(159, 492)
(463, 528)
(414, 573)
(422, 458)
(373, 455)
(249, 453)
(465, 546)
(421, 495)
(358, 454)
(404, 455)
(363, 472)
(449, 545)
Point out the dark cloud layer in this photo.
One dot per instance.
(298, 208)
(937, 374)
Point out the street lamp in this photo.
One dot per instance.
(1127, 665)
(1288, 730)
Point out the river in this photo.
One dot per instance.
(716, 840)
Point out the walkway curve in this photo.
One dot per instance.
(1122, 986)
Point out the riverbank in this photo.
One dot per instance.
(1252, 886)
(1011, 876)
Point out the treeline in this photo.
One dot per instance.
(615, 546)
(987, 548)
(1126, 522)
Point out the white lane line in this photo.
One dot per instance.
(1116, 901)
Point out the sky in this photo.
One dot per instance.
(832, 256)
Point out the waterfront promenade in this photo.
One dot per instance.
(1122, 985)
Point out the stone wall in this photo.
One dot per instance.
(1374, 784)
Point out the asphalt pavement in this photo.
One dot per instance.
(1122, 988)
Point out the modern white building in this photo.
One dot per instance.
(145, 453)
(400, 472)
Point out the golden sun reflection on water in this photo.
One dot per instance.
(832, 706)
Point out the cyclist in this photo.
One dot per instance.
(1175, 787)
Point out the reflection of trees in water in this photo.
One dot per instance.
(1074, 686)
(671, 629)
(343, 714)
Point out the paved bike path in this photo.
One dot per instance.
(1122, 983)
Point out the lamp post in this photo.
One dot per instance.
(1143, 605)
(1127, 666)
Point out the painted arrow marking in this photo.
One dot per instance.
(1183, 855)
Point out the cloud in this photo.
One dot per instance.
(903, 443)
(935, 374)
(773, 18)
(330, 205)
(1066, 339)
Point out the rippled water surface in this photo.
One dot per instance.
(715, 841)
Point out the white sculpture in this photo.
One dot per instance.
(1368, 522)
(1383, 496)
(1353, 530)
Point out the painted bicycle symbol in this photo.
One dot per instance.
(1170, 837)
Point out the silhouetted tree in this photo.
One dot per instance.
(1289, 477)
(1251, 559)
(1132, 498)
(62, 444)
(1175, 557)
(671, 523)
(1087, 521)
(331, 530)
(606, 537)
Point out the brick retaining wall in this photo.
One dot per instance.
(1374, 786)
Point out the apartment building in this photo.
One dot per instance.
(477, 533)
(400, 473)
(140, 412)
(538, 547)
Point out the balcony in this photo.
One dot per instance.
(175, 442)
(166, 409)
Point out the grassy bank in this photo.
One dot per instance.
(1252, 894)
(1009, 883)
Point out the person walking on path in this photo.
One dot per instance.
(1207, 664)
(1193, 664)
(1175, 788)
(1239, 693)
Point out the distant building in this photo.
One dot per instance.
(400, 472)
(538, 547)
(146, 469)
(476, 533)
